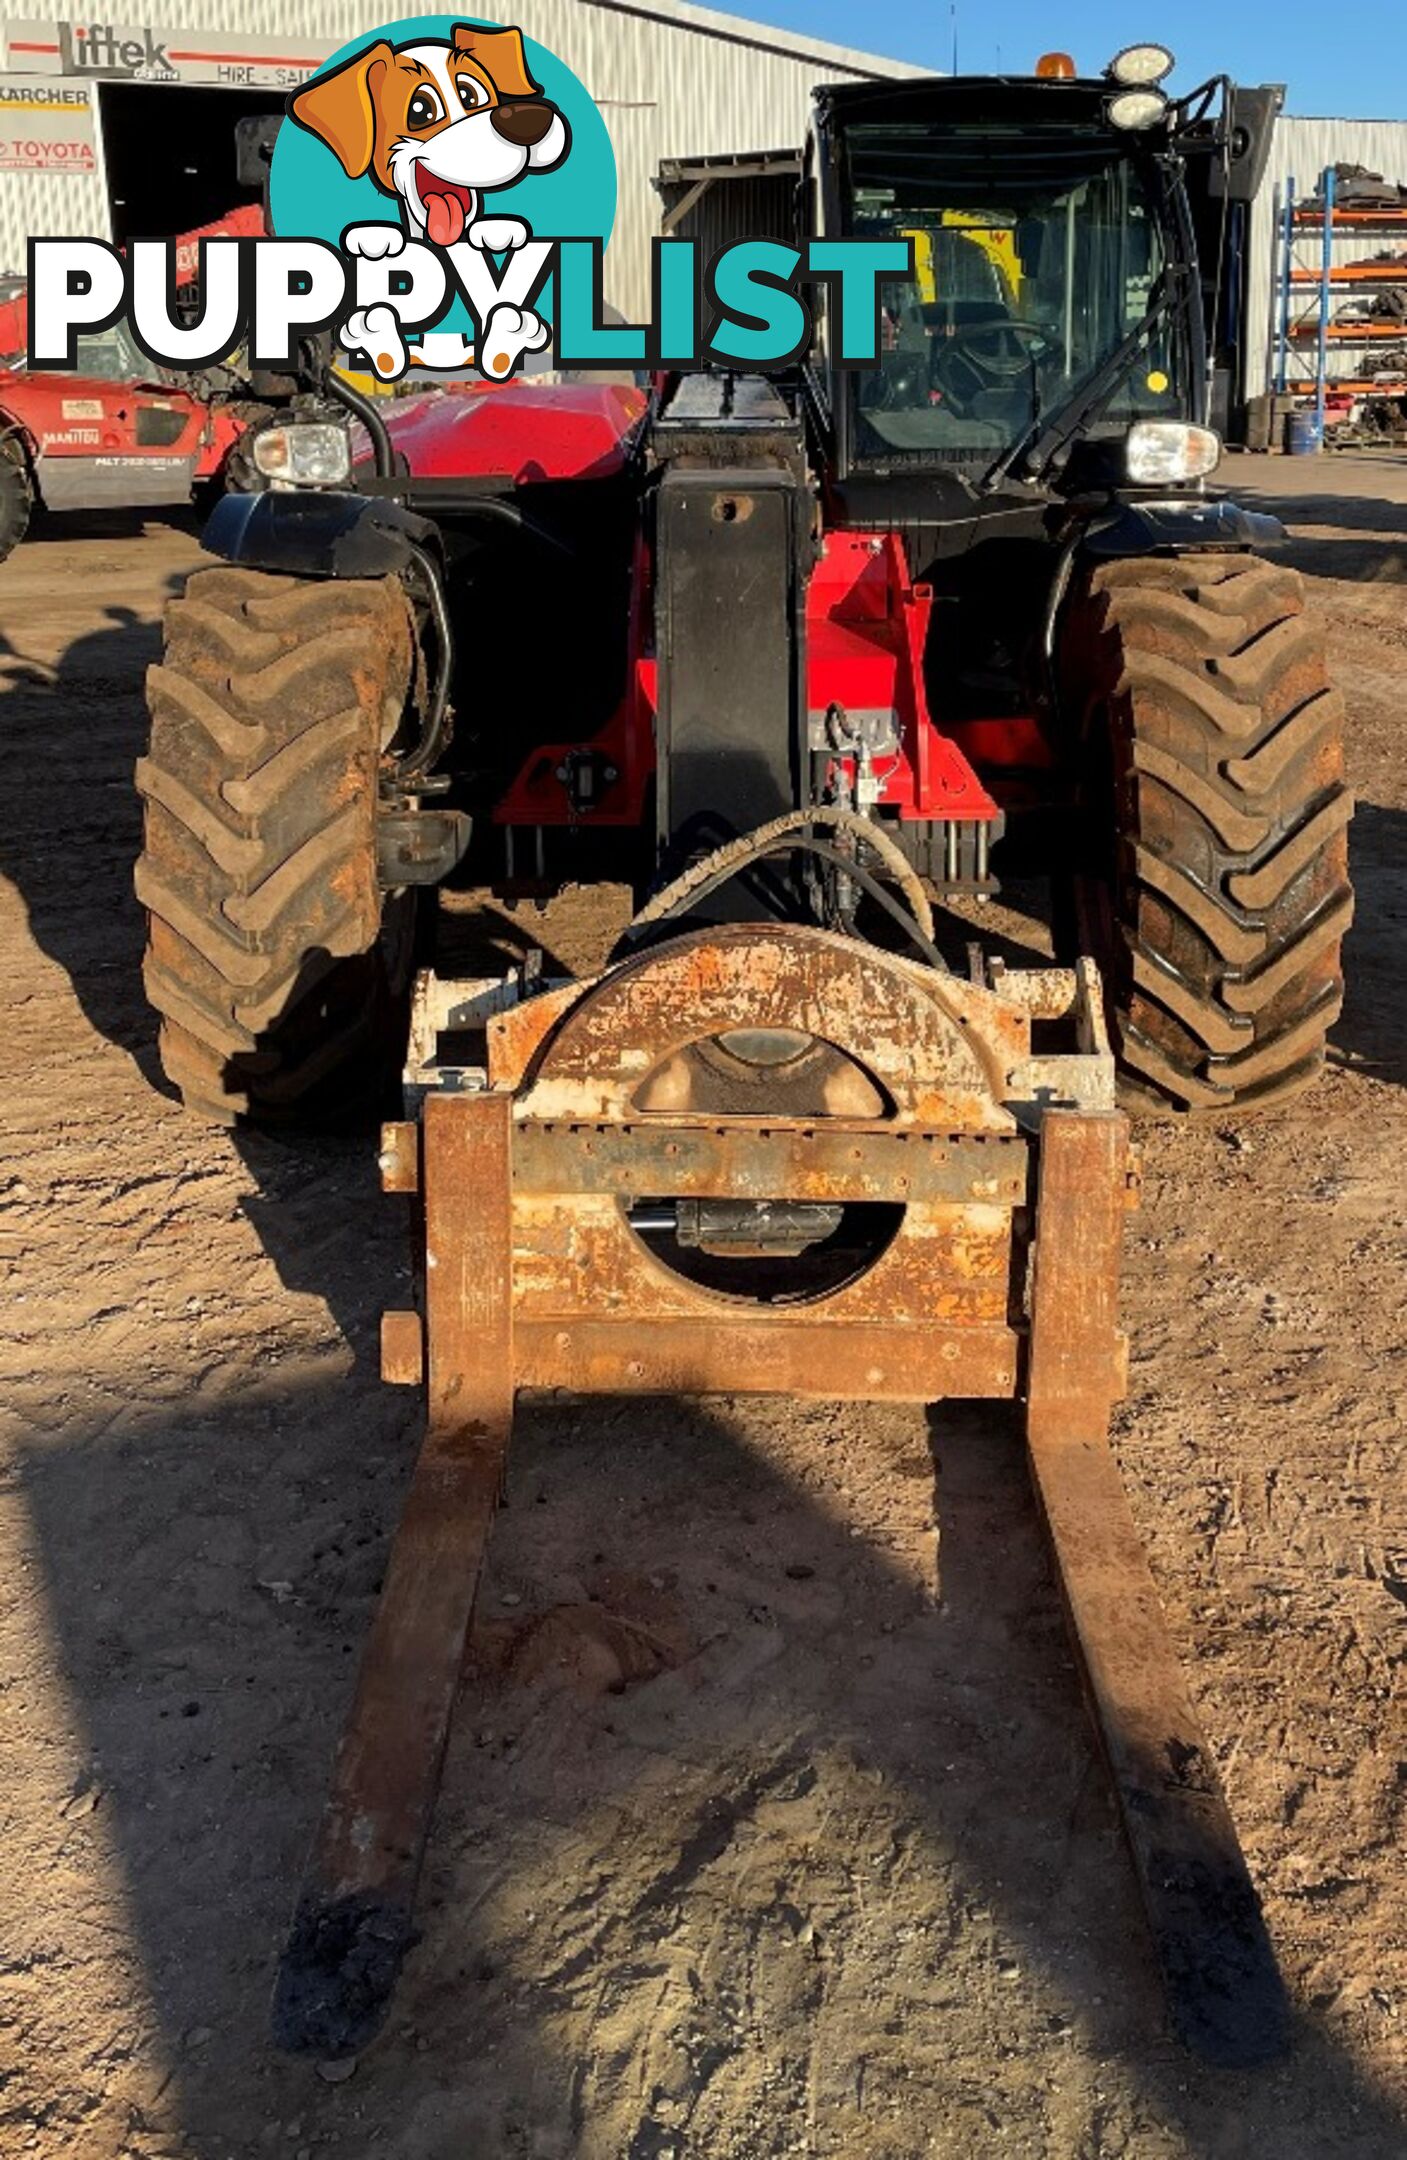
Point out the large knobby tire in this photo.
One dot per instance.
(267, 957)
(16, 496)
(1213, 887)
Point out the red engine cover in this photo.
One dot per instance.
(518, 432)
(866, 629)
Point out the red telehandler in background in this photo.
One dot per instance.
(121, 432)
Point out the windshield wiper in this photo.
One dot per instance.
(1049, 433)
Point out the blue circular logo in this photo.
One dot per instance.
(451, 129)
(314, 195)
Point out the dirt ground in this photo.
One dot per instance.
(772, 1824)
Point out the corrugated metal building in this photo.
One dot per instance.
(1300, 150)
(88, 111)
(118, 129)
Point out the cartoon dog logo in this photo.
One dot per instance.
(438, 124)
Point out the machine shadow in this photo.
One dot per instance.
(1367, 542)
(82, 724)
(1372, 1030)
(671, 1612)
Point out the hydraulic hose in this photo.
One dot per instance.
(734, 855)
(781, 837)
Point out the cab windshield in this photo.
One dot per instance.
(1036, 254)
(111, 355)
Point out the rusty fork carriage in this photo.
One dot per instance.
(595, 1183)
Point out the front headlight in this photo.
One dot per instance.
(1161, 450)
(304, 453)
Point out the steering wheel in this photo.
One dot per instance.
(961, 354)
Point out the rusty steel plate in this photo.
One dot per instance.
(940, 1049)
(947, 1265)
(751, 1160)
(791, 1353)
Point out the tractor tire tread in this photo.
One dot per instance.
(1231, 892)
(269, 710)
(16, 496)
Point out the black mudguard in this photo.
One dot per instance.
(318, 533)
(1151, 528)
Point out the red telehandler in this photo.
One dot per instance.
(118, 432)
(797, 661)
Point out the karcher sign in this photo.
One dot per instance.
(46, 127)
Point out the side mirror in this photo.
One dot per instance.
(1250, 123)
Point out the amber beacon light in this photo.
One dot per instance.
(1056, 67)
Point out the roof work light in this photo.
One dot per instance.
(1138, 66)
(1136, 73)
(1136, 108)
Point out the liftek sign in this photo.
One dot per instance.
(102, 49)
(46, 127)
(137, 52)
(441, 193)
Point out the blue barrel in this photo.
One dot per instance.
(1303, 433)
